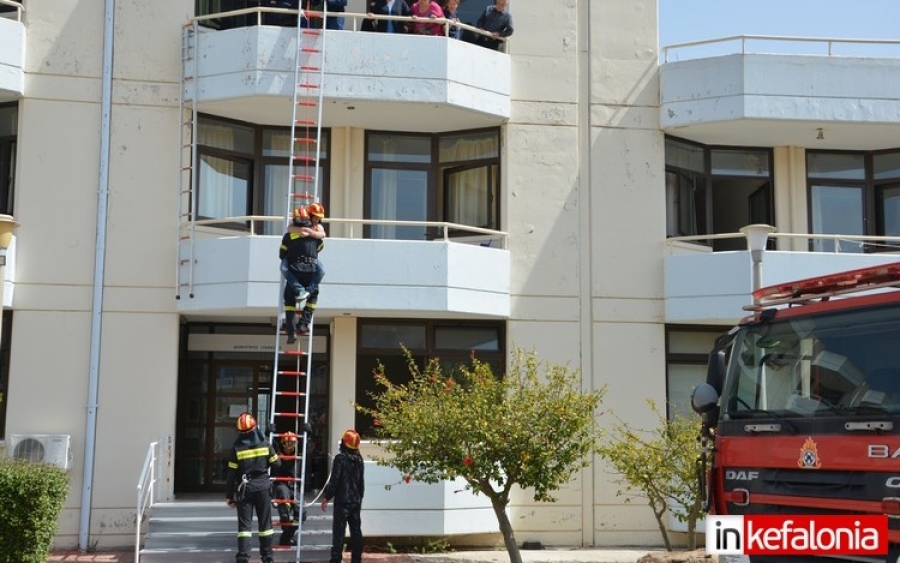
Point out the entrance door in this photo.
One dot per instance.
(215, 398)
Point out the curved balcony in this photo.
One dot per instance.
(706, 287)
(236, 274)
(12, 51)
(783, 91)
(371, 80)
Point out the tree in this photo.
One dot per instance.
(531, 427)
(660, 466)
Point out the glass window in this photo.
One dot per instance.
(886, 166)
(736, 192)
(835, 166)
(380, 343)
(889, 212)
(466, 338)
(224, 187)
(9, 126)
(687, 352)
(403, 182)
(226, 136)
(837, 210)
(391, 336)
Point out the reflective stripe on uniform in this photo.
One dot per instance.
(254, 452)
(266, 533)
(245, 534)
(232, 465)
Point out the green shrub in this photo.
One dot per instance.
(31, 498)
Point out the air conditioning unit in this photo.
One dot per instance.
(53, 449)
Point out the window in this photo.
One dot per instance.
(687, 353)
(449, 177)
(9, 124)
(853, 194)
(453, 342)
(713, 190)
(243, 170)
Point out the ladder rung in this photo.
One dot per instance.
(307, 103)
(309, 50)
(308, 86)
(304, 140)
(306, 177)
(311, 122)
(308, 31)
(288, 457)
(291, 372)
(305, 158)
(293, 352)
(291, 393)
(290, 414)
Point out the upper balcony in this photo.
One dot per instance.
(376, 81)
(783, 91)
(236, 274)
(706, 287)
(12, 51)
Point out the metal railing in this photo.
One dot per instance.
(356, 19)
(227, 223)
(146, 489)
(15, 13)
(828, 43)
(886, 243)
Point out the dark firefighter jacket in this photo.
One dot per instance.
(347, 484)
(252, 455)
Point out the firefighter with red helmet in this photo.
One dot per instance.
(286, 502)
(247, 487)
(316, 212)
(347, 487)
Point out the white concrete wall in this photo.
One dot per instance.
(57, 203)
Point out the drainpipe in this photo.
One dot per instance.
(586, 283)
(99, 277)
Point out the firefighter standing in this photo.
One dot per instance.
(248, 487)
(346, 486)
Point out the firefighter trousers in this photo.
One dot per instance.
(261, 503)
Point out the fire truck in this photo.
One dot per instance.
(801, 404)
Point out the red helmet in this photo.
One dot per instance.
(350, 439)
(289, 439)
(316, 209)
(245, 422)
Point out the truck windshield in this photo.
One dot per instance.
(842, 362)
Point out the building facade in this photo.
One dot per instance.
(579, 193)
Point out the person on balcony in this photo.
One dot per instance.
(449, 8)
(284, 20)
(497, 21)
(299, 254)
(331, 22)
(387, 8)
(427, 9)
(247, 487)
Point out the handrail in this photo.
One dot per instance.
(873, 240)
(355, 17)
(20, 9)
(829, 41)
(145, 490)
(444, 226)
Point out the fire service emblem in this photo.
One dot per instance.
(809, 456)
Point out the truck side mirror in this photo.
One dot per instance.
(704, 398)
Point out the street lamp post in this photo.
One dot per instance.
(757, 238)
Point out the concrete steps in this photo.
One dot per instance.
(206, 532)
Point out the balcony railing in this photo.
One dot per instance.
(869, 243)
(355, 19)
(784, 45)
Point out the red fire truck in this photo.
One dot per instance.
(801, 406)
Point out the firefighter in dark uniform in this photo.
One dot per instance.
(299, 253)
(346, 486)
(247, 487)
(284, 487)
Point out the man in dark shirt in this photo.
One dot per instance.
(346, 486)
(247, 487)
(498, 21)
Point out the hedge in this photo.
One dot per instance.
(31, 499)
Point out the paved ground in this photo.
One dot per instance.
(560, 555)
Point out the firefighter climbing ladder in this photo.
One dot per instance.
(293, 363)
(187, 202)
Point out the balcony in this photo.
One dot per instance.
(371, 80)
(12, 51)
(236, 274)
(813, 93)
(705, 287)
